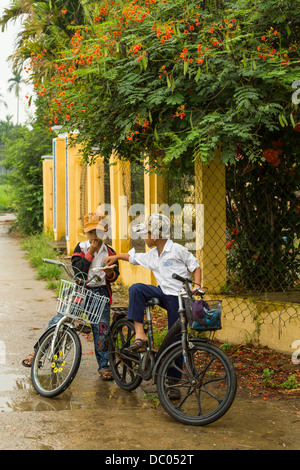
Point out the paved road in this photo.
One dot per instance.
(98, 415)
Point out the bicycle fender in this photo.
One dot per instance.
(41, 338)
(161, 357)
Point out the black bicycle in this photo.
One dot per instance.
(201, 373)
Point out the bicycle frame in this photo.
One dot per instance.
(147, 364)
(185, 294)
(62, 321)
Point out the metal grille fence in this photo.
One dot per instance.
(245, 234)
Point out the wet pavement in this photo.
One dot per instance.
(93, 414)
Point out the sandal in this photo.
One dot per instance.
(174, 394)
(27, 362)
(138, 345)
(106, 374)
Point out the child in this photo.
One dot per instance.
(88, 255)
(164, 259)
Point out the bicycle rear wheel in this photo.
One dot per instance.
(209, 396)
(52, 374)
(123, 363)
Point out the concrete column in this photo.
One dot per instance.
(120, 197)
(210, 190)
(59, 188)
(48, 191)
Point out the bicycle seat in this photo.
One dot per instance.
(152, 301)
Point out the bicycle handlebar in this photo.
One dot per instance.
(61, 264)
(186, 281)
(180, 278)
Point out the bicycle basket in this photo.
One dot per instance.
(206, 315)
(80, 303)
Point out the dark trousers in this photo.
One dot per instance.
(139, 294)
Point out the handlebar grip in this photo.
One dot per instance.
(52, 261)
(180, 278)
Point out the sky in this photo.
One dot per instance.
(7, 46)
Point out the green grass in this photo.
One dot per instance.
(37, 247)
(6, 204)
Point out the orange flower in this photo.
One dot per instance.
(63, 12)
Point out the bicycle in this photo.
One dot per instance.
(206, 377)
(58, 351)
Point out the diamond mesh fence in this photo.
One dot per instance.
(240, 221)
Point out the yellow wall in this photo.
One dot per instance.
(48, 191)
(59, 188)
(210, 190)
(273, 324)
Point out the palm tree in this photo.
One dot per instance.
(45, 27)
(16, 85)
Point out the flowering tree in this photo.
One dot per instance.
(173, 79)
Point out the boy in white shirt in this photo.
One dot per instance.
(165, 259)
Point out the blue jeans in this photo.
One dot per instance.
(99, 331)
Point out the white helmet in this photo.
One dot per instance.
(158, 225)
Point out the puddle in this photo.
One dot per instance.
(13, 382)
(17, 394)
(37, 403)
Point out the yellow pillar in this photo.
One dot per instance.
(48, 191)
(120, 197)
(156, 190)
(156, 194)
(91, 187)
(210, 190)
(73, 220)
(96, 185)
(59, 188)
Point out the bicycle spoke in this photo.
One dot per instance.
(205, 395)
(123, 367)
(52, 372)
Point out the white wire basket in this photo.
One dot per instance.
(75, 301)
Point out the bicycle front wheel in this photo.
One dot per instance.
(208, 396)
(52, 373)
(123, 363)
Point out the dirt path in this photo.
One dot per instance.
(98, 415)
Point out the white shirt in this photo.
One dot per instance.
(174, 258)
(97, 262)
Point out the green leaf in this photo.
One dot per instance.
(198, 75)
(185, 67)
(145, 63)
(292, 120)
